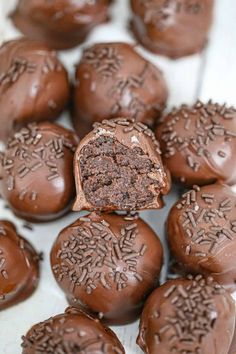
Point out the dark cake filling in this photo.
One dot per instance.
(116, 176)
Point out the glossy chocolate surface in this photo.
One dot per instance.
(113, 80)
(187, 316)
(118, 167)
(108, 264)
(36, 171)
(34, 85)
(61, 24)
(199, 143)
(233, 345)
(174, 28)
(201, 231)
(71, 333)
(19, 266)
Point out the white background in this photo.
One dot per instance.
(209, 75)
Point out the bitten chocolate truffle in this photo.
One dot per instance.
(108, 264)
(202, 232)
(61, 24)
(174, 28)
(113, 80)
(19, 266)
(118, 167)
(199, 143)
(193, 315)
(72, 332)
(33, 85)
(36, 171)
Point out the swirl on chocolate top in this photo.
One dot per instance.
(19, 266)
(188, 316)
(36, 171)
(71, 333)
(199, 143)
(113, 80)
(174, 28)
(118, 167)
(34, 85)
(202, 232)
(108, 264)
(61, 24)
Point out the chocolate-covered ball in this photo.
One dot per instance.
(33, 85)
(193, 315)
(108, 264)
(174, 28)
(61, 24)
(36, 171)
(202, 232)
(72, 332)
(19, 266)
(113, 80)
(118, 167)
(199, 143)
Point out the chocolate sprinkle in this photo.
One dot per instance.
(70, 333)
(89, 250)
(190, 311)
(199, 143)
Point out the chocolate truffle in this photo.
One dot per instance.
(118, 167)
(33, 85)
(202, 232)
(72, 332)
(61, 24)
(199, 143)
(113, 80)
(193, 315)
(36, 171)
(108, 264)
(19, 266)
(174, 28)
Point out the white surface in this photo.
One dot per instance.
(209, 75)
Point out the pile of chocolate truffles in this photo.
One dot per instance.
(118, 162)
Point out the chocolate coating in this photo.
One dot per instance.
(36, 171)
(34, 85)
(202, 232)
(174, 28)
(190, 316)
(108, 264)
(61, 24)
(71, 332)
(233, 345)
(19, 266)
(199, 143)
(113, 80)
(118, 167)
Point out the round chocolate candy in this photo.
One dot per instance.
(19, 266)
(108, 264)
(174, 28)
(72, 332)
(61, 24)
(113, 80)
(36, 171)
(118, 167)
(202, 232)
(34, 85)
(188, 316)
(199, 143)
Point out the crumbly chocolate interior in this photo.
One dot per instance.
(114, 175)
